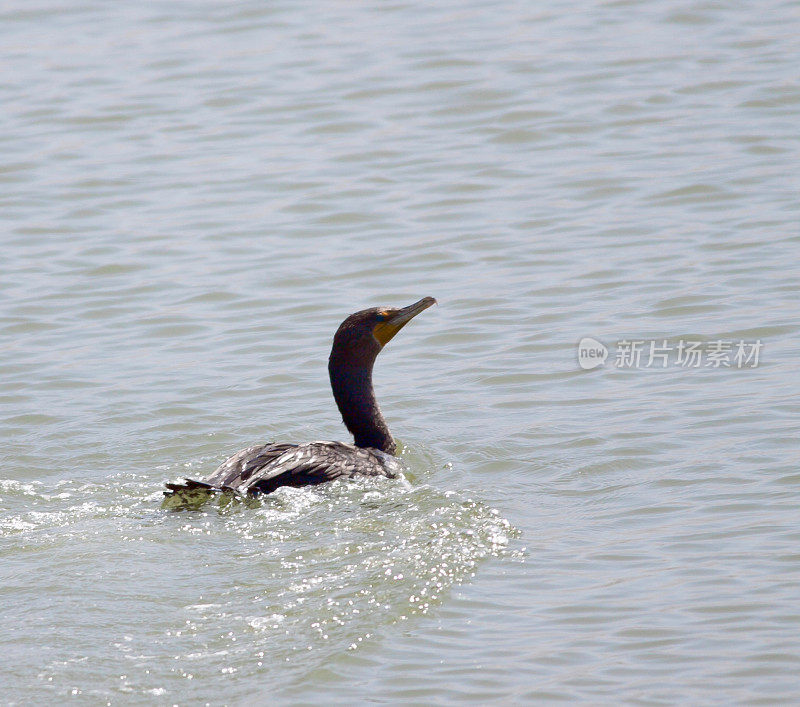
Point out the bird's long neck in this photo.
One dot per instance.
(355, 397)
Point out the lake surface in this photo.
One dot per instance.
(195, 194)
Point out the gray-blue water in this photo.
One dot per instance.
(195, 194)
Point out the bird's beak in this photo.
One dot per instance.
(384, 331)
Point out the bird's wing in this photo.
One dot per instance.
(315, 463)
(241, 467)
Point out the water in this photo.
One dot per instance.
(195, 194)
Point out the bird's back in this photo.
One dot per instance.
(265, 467)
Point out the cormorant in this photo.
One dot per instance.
(265, 467)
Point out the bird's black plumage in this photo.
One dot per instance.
(263, 468)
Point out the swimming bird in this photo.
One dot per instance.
(263, 468)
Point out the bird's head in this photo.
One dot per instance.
(362, 335)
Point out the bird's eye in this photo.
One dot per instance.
(383, 316)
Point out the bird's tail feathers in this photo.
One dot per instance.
(188, 494)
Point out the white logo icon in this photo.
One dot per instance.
(591, 353)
